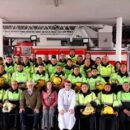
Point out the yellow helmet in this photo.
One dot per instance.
(56, 80)
(100, 86)
(108, 110)
(41, 83)
(89, 109)
(78, 85)
(2, 81)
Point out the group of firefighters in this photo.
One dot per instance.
(83, 93)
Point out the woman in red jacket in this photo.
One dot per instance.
(49, 103)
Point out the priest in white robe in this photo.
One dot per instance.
(66, 105)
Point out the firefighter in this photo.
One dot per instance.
(62, 59)
(72, 55)
(105, 69)
(76, 77)
(9, 65)
(52, 66)
(21, 76)
(117, 66)
(11, 99)
(68, 69)
(97, 62)
(118, 78)
(46, 61)
(95, 81)
(59, 74)
(109, 108)
(80, 60)
(28, 68)
(84, 99)
(38, 62)
(86, 67)
(32, 58)
(124, 98)
(2, 92)
(88, 56)
(17, 60)
(5, 78)
(40, 77)
(123, 74)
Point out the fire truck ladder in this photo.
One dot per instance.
(12, 30)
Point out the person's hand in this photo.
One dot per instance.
(44, 107)
(116, 113)
(51, 108)
(126, 112)
(81, 110)
(61, 112)
(36, 110)
(14, 105)
(21, 110)
(71, 111)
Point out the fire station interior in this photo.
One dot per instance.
(64, 23)
(100, 27)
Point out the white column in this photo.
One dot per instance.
(1, 38)
(118, 38)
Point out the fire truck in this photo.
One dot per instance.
(26, 48)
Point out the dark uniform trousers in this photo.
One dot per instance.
(108, 122)
(24, 116)
(86, 121)
(11, 119)
(124, 121)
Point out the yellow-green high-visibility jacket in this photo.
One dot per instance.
(93, 81)
(84, 69)
(20, 77)
(76, 78)
(51, 69)
(119, 78)
(40, 76)
(84, 100)
(13, 95)
(15, 66)
(68, 70)
(62, 75)
(27, 68)
(2, 92)
(35, 68)
(9, 68)
(108, 99)
(124, 99)
(105, 71)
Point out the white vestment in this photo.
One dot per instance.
(66, 101)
